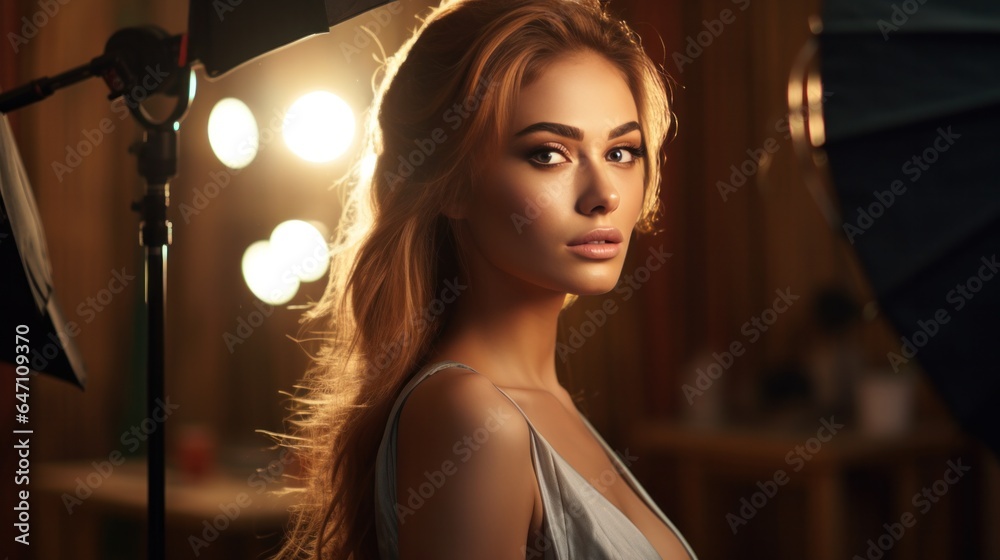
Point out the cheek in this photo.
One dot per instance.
(519, 201)
(499, 212)
(499, 215)
(632, 197)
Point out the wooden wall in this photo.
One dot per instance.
(727, 259)
(731, 248)
(728, 255)
(92, 234)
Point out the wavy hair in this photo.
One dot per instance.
(444, 102)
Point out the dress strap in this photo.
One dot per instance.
(436, 367)
(386, 527)
(632, 481)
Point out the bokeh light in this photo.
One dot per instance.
(319, 127)
(264, 278)
(233, 133)
(296, 252)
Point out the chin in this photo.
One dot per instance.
(593, 291)
(595, 285)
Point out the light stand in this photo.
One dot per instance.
(157, 164)
(131, 57)
(220, 42)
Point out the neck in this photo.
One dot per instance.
(504, 328)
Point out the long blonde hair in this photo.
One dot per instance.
(443, 104)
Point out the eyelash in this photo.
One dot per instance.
(638, 152)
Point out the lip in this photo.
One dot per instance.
(600, 243)
(597, 251)
(608, 235)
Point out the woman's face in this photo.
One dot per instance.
(570, 173)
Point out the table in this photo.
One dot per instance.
(757, 456)
(70, 518)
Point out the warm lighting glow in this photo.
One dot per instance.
(296, 252)
(814, 93)
(233, 133)
(368, 166)
(319, 127)
(193, 86)
(264, 278)
(302, 249)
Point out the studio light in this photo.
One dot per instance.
(319, 127)
(264, 278)
(221, 37)
(233, 133)
(302, 248)
(296, 252)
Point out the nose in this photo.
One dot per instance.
(600, 194)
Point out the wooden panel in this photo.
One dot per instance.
(733, 249)
(728, 255)
(10, 65)
(83, 184)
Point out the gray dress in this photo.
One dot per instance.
(579, 522)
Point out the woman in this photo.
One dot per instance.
(511, 139)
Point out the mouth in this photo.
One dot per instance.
(598, 236)
(597, 250)
(598, 244)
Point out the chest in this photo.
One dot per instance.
(559, 423)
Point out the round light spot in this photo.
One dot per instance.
(302, 250)
(233, 133)
(319, 127)
(296, 252)
(264, 278)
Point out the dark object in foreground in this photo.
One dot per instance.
(911, 113)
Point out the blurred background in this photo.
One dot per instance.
(745, 374)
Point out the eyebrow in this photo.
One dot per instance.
(574, 132)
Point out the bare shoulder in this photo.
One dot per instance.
(465, 480)
(454, 412)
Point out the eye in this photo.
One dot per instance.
(548, 156)
(626, 154)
